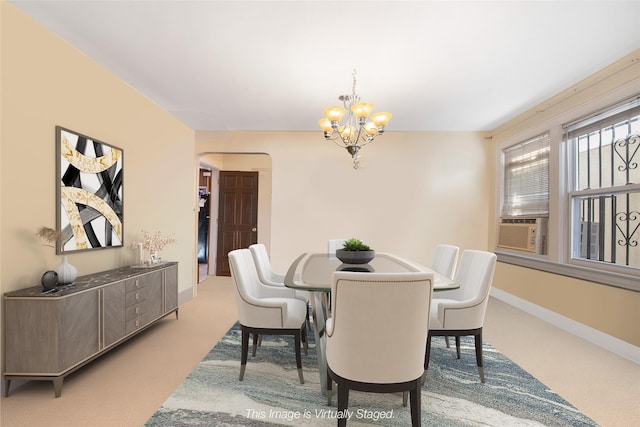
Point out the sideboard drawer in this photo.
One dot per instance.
(133, 325)
(135, 297)
(134, 284)
(134, 311)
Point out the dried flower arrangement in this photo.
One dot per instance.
(49, 235)
(157, 241)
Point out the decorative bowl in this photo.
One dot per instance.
(355, 257)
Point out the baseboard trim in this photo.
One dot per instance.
(594, 336)
(184, 296)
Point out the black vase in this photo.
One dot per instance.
(49, 280)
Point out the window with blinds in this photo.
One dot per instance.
(526, 178)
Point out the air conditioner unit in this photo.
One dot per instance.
(523, 234)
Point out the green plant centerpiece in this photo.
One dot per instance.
(355, 251)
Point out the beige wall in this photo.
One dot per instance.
(611, 310)
(614, 311)
(46, 82)
(413, 190)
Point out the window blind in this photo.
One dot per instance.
(612, 115)
(526, 177)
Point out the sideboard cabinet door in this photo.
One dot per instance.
(80, 328)
(152, 295)
(31, 341)
(50, 335)
(171, 288)
(114, 313)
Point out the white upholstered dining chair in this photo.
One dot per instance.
(262, 310)
(269, 277)
(333, 245)
(376, 335)
(444, 262)
(445, 259)
(464, 315)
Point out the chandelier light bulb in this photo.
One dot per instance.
(370, 129)
(381, 119)
(325, 125)
(334, 113)
(362, 109)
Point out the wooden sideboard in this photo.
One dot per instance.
(47, 336)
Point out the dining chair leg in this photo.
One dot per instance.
(245, 352)
(458, 346)
(479, 362)
(297, 337)
(256, 338)
(329, 388)
(305, 341)
(343, 404)
(427, 353)
(416, 409)
(405, 398)
(446, 341)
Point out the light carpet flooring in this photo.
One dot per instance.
(126, 386)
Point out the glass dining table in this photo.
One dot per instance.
(313, 272)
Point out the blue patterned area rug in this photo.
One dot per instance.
(271, 393)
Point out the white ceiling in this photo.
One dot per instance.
(275, 65)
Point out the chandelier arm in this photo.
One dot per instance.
(360, 136)
(366, 142)
(337, 138)
(364, 138)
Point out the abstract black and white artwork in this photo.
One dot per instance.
(89, 193)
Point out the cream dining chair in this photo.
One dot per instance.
(445, 259)
(365, 350)
(444, 262)
(266, 274)
(463, 313)
(262, 310)
(333, 245)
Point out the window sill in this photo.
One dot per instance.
(619, 280)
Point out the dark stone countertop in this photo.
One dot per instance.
(83, 283)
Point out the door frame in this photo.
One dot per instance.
(250, 162)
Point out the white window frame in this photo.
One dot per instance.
(573, 193)
(558, 259)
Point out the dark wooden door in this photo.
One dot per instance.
(237, 215)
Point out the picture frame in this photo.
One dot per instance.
(89, 193)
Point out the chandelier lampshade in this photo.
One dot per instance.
(359, 127)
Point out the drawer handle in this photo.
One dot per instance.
(137, 323)
(137, 296)
(137, 310)
(137, 284)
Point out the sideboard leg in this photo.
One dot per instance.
(7, 384)
(57, 386)
(176, 314)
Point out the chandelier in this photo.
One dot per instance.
(355, 132)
